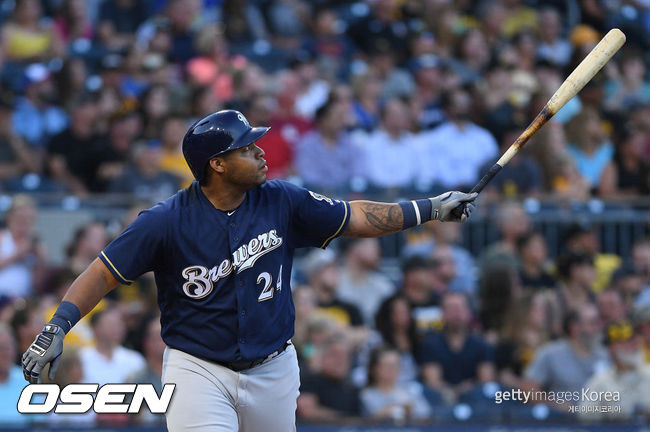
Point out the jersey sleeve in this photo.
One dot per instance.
(316, 219)
(135, 250)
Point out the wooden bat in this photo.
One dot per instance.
(581, 75)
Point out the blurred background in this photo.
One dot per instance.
(546, 288)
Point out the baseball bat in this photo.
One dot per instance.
(581, 75)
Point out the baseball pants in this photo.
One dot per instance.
(212, 398)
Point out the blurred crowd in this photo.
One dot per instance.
(378, 95)
(388, 97)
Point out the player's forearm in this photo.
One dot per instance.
(374, 219)
(89, 288)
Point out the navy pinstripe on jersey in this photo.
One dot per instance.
(223, 277)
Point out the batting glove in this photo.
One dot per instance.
(442, 206)
(46, 348)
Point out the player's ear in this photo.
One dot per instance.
(217, 165)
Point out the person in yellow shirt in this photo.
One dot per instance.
(26, 38)
(172, 160)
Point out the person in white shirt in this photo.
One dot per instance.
(452, 154)
(22, 257)
(361, 283)
(108, 361)
(389, 153)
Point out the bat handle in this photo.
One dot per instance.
(458, 211)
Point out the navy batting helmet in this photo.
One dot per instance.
(215, 134)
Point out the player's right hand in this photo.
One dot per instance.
(46, 348)
(442, 206)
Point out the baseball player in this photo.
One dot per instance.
(221, 252)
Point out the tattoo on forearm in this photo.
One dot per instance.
(384, 217)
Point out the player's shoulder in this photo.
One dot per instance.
(280, 187)
(175, 203)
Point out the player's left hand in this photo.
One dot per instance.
(442, 206)
(46, 348)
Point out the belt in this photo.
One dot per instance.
(240, 366)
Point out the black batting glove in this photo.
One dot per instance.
(46, 348)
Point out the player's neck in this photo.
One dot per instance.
(223, 198)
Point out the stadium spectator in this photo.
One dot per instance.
(124, 127)
(418, 290)
(471, 57)
(552, 47)
(629, 284)
(389, 154)
(627, 377)
(153, 349)
(71, 81)
(524, 330)
(156, 105)
(385, 398)
(434, 235)
(171, 159)
(534, 271)
(576, 275)
(632, 86)
(70, 371)
(499, 293)
(641, 321)
(27, 322)
(304, 301)
(118, 22)
(361, 283)
(23, 259)
(16, 158)
(36, 117)
(72, 23)
(27, 37)
(214, 66)
(380, 28)
(366, 89)
(583, 238)
(520, 177)
(326, 157)
(87, 242)
(456, 142)
(628, 174)
(329, 394)
(513, 222)
(327, 44)
(610, 307)
(567, 364)
(12, 381)
(454, 361)
(143, 178)
(243, 23)
(394, 322)
(323, 275)
(588, 146)
(288, 22)
(428, 74)
(107, 361)
(72, 153)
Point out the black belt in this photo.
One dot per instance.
(240, 366)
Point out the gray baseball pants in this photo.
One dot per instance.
(212, 398)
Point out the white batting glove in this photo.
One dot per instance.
(442, 206)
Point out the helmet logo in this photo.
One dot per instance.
(241, 118)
